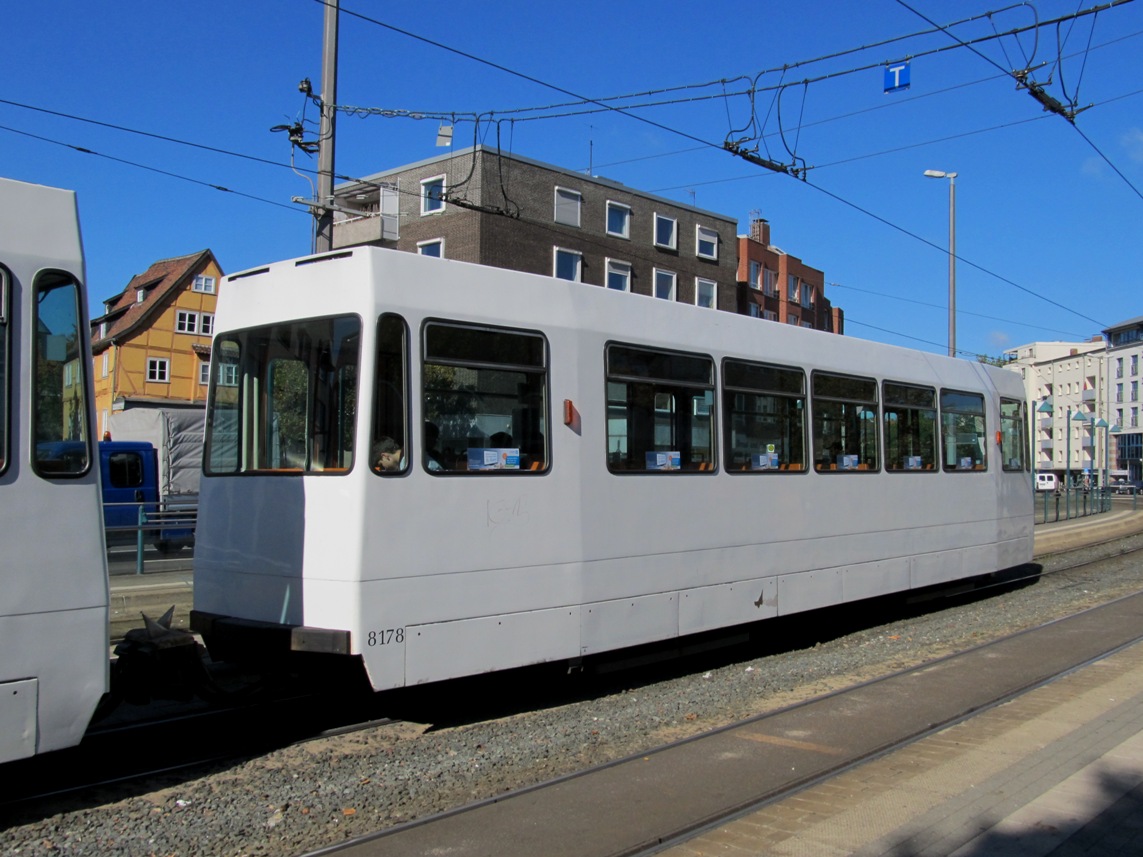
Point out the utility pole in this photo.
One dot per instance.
(323, 210)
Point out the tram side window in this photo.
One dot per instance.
(660, 410)
(283, 398)
(389, 443)
(5, 386)
(59, 404)
(1013, 435)
(963, 431)
(485, 400)
(910, 421)
(845, 423)
(764, 413)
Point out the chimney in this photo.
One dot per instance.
(760, 231)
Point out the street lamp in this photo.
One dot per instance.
(1101, 423)
(1078, 416)
(941, 174)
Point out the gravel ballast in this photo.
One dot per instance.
(319, 793)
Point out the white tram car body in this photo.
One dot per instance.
(53, 566)
(629, 509)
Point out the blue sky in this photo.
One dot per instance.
(1048, 213)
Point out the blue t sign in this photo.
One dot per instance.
(897, 77)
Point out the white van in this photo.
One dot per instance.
(1047, 482)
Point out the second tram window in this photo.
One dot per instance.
(910, 419)
(485, 399)
(765, 417)
(845, 422)
(660, 410)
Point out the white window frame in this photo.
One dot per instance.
(203, 284)
(754, 275)
(618, 269)
(433, 204)
(158, 370)
(664, 274)
(186, 321)
(204, 373)
(206, 324)
(792, 288)
(106, 362)
(673, 242)
(228, 375)
(140, 295)
(704, 281)
(612, 205)
(557, 252)
(704, 234)
(567, 206)
(806, 294)
(433, 242)
(769, 282)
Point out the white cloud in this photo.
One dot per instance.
(1132, 142)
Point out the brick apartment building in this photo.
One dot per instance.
(484, 206)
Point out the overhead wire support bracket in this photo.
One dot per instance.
(1050, 103)
(757, 160)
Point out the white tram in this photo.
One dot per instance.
(448, 469)
(53, 566)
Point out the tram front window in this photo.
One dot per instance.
(283, 398)
(59, 406)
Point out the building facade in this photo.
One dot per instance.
(776, 286)
(484, 206)
(151, 345)
(1071, 420)
(1125, 362)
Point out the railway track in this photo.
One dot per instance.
(487, 702)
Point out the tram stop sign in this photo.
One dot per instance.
(897, 77)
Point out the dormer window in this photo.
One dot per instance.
(140, 295)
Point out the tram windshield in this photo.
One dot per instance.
(283, 398)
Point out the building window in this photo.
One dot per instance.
(706, 293)
(618, 219)
(769, 282)
(186, 322)
(764, 409)
(567, 207)
(204, 372)
(754, 278)
(103, 328)
(106, 362)
(1119, 392)
(1119, 367)
(754, 310)
(434, 248)
(206, 324)
(158, 370)
(791, 288)
(666, 232)
(203, 284)
(806, 294)
(665, 284)
(1134, 364)
(706, 243)
(433, 195)
(1135, 391)
(770, 315)
(567, 264)
(660, 410)
(618, 276)
(844, 422)
(140, 295)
